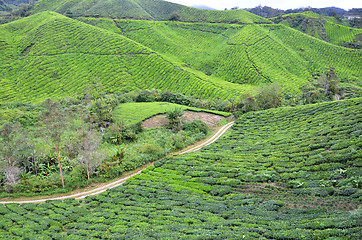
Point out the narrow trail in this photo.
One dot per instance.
(119, 182)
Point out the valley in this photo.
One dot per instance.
(146, 119)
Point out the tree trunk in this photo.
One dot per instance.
(60, 166)
(88, 171)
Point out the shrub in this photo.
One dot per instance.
(196, 126)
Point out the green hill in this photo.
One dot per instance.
(322, 27)
(287, 173)
(252, 54)
(144, 9)
(49, 55)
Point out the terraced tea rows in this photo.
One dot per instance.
(287, 173)
(145, 9)
(321, 27)
(340, 35)
(49, 55)
(253, 54)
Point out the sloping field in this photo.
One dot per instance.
(252, 54)
(324, 28)
(49, 55)
(131, 113)
(145, 9)
(287, 173)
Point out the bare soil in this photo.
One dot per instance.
(161, 120)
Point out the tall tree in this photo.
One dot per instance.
(55, 120)
(13, 143)
(89, 154)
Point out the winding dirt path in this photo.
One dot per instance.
(120, 181)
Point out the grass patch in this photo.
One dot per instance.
(131, 113)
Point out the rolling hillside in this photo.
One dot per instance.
(288, 173)
(145, 9)
(252, 54)
(322, 27)
(49, 55)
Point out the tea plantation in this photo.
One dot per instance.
(252, 54)
(144, 9)
(49, 55)
(322, 27)
(287, 173)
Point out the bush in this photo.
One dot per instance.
(217, 190)
(146, 96)
(196, 126)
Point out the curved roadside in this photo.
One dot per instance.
(119, 182)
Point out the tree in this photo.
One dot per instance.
(175, 16)
(55, 120)
(328, 81)
(175, 118)
(248, 103)
(325, 88)
(12, 176)
(270, 97)
(88, 154)
(13, 143)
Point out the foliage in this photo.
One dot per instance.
(54, 69)
(175, 119)
(270, 97)
(89, 154)
(283, 173)
(324, 28)
(326, 87)
(132, 113)
(251, 55)
(248, 55)
(13, 146)
(145, 9)
(196, 126)
(55, 123)
(82, 150)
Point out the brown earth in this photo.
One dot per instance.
(161, 120)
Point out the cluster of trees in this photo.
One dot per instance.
(324, 88)
(269, 12)
(16, 147)
(76, 140)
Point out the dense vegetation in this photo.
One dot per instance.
(131, 113)
(38, 140)
(325, 28)
(49, 55)
(252, 54)
(281, 173)
(269, 12)
(145, 9)
(285, 173)
(3, 6)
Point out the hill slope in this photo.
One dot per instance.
(3, 6)
(252, 54)
(144, 9)
(324, 28)
(286, 173)
(49, 55)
